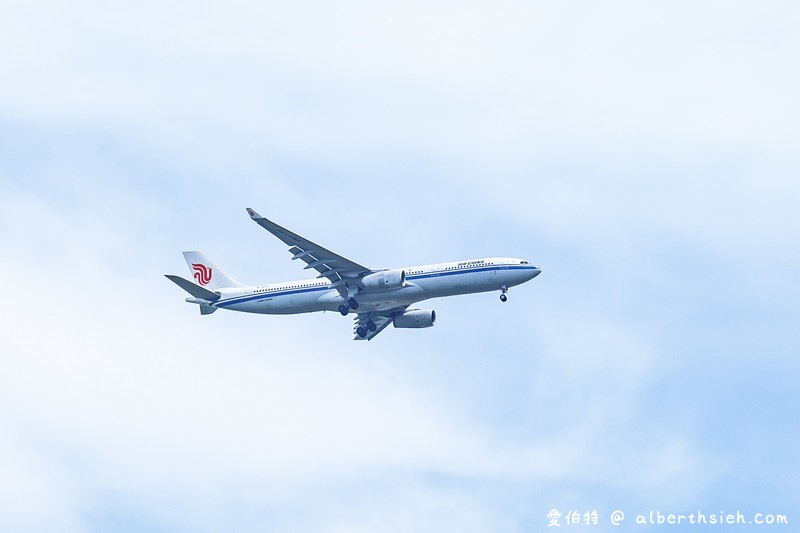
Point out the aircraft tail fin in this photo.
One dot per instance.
(206, 273)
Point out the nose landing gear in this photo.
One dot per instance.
(503, 291)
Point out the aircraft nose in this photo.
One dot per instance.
(536, 272)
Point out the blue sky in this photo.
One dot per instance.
(644, 155)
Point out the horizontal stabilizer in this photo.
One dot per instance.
(195, 290)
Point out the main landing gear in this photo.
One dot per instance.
(503, 291)
(345, 308)
(361, 331)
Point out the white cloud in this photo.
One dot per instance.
(677, 116)
(485, 84)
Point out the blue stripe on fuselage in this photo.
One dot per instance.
(267, 295)
(284, 292)
(470, 271)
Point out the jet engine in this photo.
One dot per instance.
(415, 318)
(386, 279)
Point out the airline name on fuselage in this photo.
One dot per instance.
(471, 263)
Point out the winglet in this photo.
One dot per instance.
(253, 214)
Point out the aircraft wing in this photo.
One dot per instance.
(336, 268)
(381, 320)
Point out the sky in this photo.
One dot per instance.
(643, 154)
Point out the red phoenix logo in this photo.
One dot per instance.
(202, 273)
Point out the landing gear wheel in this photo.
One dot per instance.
(361, 331)
(344, 310)
(503, 291)
(352, 303)
(371, 326)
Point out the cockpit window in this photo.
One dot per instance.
(523, 263)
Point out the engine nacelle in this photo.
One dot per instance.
(416, 318)
(387, 279)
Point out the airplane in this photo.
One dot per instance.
(377, 297)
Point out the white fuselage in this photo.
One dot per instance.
(421, 283)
